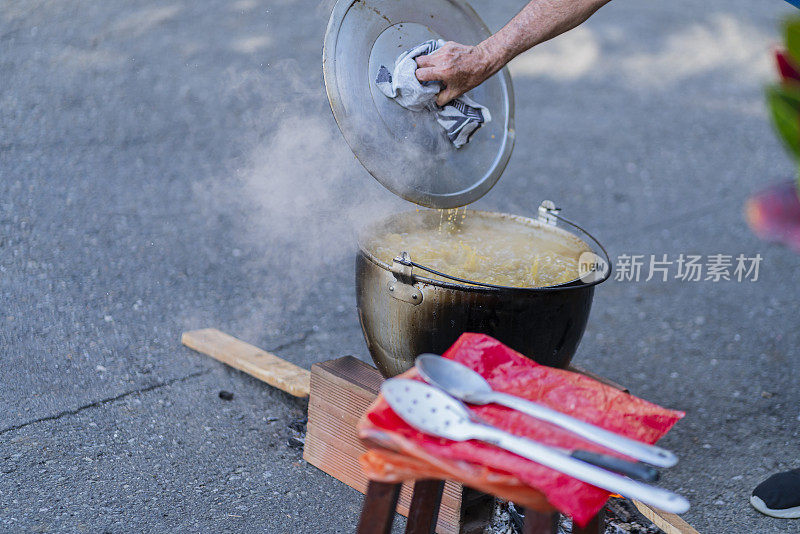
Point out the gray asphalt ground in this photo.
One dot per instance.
(171, 165)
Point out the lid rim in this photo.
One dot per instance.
(372, 162)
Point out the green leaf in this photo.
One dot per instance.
(784, 107)
(791, 32)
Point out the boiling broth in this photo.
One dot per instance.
(495, 250)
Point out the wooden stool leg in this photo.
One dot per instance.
(379, 504)
(424, 506)
(596, 526)
(539, 523)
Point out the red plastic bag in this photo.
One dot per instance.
(565, 391)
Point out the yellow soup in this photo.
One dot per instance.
(484, 248)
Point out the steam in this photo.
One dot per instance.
(297, 196)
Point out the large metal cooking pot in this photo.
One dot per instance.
(404, 312)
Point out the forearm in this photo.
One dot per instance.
(538, 21)
(460, 68)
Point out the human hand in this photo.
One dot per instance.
(459, 68)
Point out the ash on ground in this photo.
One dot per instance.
(622, 517)
(297, 439)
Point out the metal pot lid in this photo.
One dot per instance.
(406, 151)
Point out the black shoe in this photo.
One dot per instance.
(779, 495)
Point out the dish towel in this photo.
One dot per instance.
(460, 118)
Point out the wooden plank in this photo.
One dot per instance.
(477, 509)
(341, 391)
(424, 506)
(286, 376)
(351, 372)
(597, 525)
(669, 523)
(378, 512)
(351, 405)
(259, 363)
(334, 455)
(330, 459)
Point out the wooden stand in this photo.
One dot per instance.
(341, 391)
(379, 506)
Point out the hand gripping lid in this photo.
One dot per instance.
(406, 151)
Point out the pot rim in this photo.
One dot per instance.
(479, 287)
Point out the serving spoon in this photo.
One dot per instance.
(635, 470)
(467, 385)
(432, 411)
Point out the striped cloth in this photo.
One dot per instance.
(460, 118)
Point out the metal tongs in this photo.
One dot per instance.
(468, 386)
(432, 411)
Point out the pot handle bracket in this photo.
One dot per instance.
(402, 287)
(548, 213)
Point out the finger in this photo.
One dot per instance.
(446, 95)
(428, 74)
(424, 61)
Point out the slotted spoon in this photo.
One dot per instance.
(432, 411)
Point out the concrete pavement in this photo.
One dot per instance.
(166, 166)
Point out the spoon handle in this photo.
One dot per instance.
(634, 470)
(549, 457)
(630, 447)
